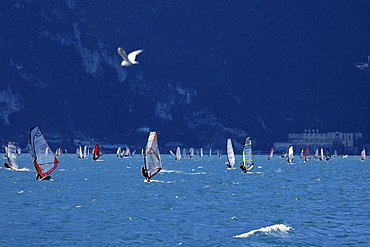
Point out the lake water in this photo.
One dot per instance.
(193, 202)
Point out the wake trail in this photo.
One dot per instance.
(278, 229)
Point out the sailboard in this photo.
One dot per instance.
(316, 156)
(290, 157)
(11, 154)
(247, 156)
(96, 152)
(152, 157)
(44, 161)
(201, 152)
(230, 162)
(327, 154)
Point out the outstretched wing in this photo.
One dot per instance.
(122, 53)
(132, 55)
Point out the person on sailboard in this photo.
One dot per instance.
(227, 162)
(145, 173)
(6, 165)
(38, 176)
(243, 168)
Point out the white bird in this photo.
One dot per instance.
(129, 59)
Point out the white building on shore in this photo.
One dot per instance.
(343, 142)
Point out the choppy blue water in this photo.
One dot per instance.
(193, 202)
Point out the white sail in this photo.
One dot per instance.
(363, 154)
(86, 152)
(230, 162)
(191, 153)
(290, 154)
(178, 154)
(11, 154)
(118, 152)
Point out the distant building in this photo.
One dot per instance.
(343, 142)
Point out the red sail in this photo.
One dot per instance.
(306, 152)
(97, 152)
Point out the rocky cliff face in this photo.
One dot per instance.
(210, 71)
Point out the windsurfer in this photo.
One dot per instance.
(145, 173)
(6, 165)
(227, 162)
(38, 176)
(243, 167)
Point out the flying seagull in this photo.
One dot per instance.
(129, 59)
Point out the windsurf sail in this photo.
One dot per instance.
(247, 156)
(327, 154)
(316, 156)
(271, 153)
(218, 154)
(58, 152)
(127, 153)
(201, 152)
(178, 154)
(210, 153)
(79, 152)
(118, 153)
(306, 154)
(191, 153)
(44, 161)
(96, 152)
(11, 154)
(363, 154)
(321, 154)
(152, 157)
(230, 162)
(290, 157)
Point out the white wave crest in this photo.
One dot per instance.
(278, 229)
(22, 169)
